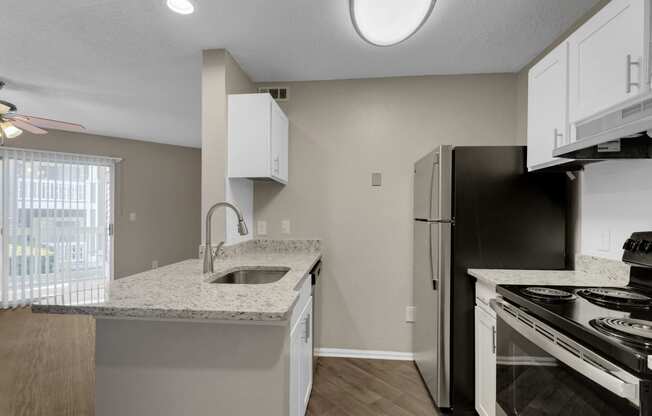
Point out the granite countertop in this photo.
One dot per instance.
(182, 291)
(589, 271)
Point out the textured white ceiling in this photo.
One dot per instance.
(131, 68)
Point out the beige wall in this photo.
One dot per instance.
(158, 182)
(341, 132)
(221, 75)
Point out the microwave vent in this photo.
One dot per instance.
(635, 109)
(647, 105)
(614, 120)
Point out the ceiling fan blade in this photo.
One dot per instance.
(27, 127)
(4, 109)
(49, 124)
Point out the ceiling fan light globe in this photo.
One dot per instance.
(181, 6)
(10, 131)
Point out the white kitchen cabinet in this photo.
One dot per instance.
(301, 347)
(485, 349)
(257, 138)
(547, 108)
(485, 362)
(607, 59)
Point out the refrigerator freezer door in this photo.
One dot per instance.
(426, 173)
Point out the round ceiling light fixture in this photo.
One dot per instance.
(389, 22)
(181, 6)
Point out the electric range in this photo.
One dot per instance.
(578, 350)
(621, 332)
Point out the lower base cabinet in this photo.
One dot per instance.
(485, 362)
(301, 348)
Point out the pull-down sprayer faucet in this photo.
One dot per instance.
(209, 257)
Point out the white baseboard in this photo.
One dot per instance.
(369, 354)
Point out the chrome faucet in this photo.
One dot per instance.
(209, 255)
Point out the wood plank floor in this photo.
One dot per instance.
(46, 364)
(357, 387)
(47, 369)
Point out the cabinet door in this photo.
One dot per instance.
(285, 147)
(279, 132)
(485, 363)
(606, 58)
(301, 362)
(306, 367)
(296, 345)
(547, 107)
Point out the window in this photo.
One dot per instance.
(55, 210)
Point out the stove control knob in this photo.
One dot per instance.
(629, 244)
(645, 246)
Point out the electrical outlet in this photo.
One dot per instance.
(132, 216)
(285, 227)
(409, 313)
(261, 228)
(154, 264)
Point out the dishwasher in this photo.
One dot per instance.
(314, 275)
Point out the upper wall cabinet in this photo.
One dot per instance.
(603, 65)
(607, 58)
(257, 138)
(547, 108)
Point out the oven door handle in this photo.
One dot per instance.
(569, 352)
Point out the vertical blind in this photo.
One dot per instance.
(56, 214)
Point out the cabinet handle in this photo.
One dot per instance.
(493, 339)
(557, 136)
(630, 64)
(307, 334)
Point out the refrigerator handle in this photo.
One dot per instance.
(435, 282)
(433, 273)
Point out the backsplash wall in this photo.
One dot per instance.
(615, 200)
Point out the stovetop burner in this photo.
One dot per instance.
(615, 297)
(548, 294)
(633, 331)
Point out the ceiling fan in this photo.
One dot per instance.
(12, 124)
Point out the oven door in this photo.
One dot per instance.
(542, 372)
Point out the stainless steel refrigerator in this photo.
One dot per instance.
(474, 207)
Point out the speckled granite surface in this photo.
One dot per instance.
(182, 291)
(589, 271)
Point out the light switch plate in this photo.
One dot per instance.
(376, 179)
(132, 216)
(261, 228)
(285, 227)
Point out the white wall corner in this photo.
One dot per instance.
(614, 202)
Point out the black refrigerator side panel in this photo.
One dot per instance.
(504, 218)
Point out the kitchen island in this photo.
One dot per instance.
(170, 341)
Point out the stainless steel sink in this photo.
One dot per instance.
(252, 276)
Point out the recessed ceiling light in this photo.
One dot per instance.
(181, 6)
(389, 22)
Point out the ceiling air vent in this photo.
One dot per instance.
(277, 93)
